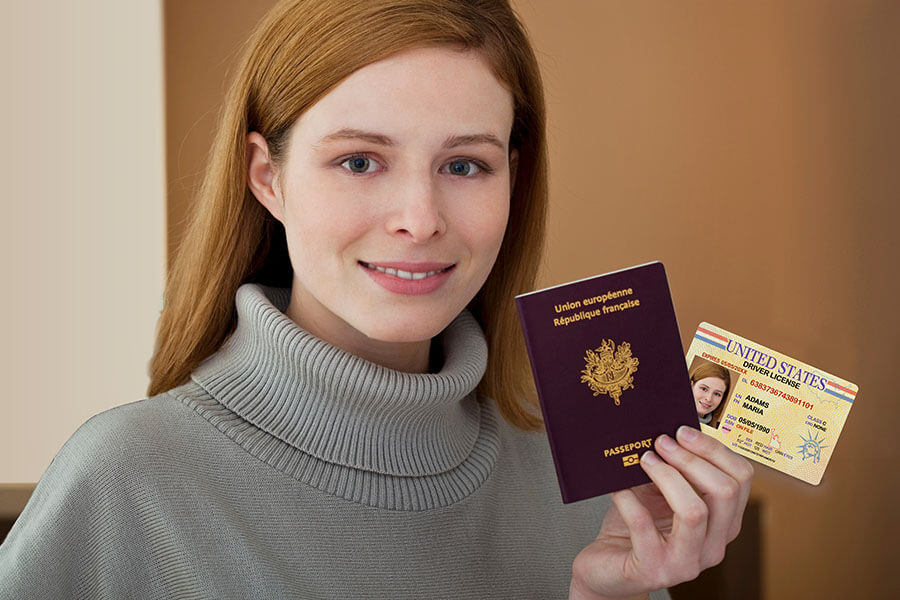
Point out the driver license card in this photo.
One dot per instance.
(777, 410)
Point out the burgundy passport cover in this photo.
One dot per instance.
(610, 374)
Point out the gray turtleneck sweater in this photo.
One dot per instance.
(288, 468)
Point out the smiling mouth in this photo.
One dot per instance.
(411, 275)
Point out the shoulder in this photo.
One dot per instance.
(140, 443)
(114, 458)
(528, 461)
(154, 414)
(96, 494)
(528, 447)
(528, 478)
(126, 432)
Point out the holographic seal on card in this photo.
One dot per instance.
(766, 406)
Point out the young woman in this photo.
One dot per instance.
(337, 400)
(710, 383)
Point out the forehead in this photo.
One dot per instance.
(416, 93)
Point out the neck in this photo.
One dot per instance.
(407, 357)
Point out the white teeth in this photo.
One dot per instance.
(415, 276)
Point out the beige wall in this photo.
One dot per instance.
(753, 148)
(82, 231)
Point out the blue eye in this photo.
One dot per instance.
(359, 164)
(463, 168)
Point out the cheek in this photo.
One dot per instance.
(485, 227)
(477, 206)
(487, 249)
(321, 223)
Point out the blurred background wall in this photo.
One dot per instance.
(753, 147)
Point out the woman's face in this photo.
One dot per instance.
(708, 394)
(396, 189)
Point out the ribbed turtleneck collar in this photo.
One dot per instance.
(339, 408)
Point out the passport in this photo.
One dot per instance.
(610, 373)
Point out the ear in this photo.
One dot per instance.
(262, 177)
(513, 167)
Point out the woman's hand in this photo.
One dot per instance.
(663, 533)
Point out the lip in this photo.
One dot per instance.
(410, 287)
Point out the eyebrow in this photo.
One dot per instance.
(382, 140)
(357, 134)
(473, 140)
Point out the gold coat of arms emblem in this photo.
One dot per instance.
(610, 369)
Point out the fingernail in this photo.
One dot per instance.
(687, 434)
(667, 443)
(649, 457)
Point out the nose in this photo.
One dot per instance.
(417, 213)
